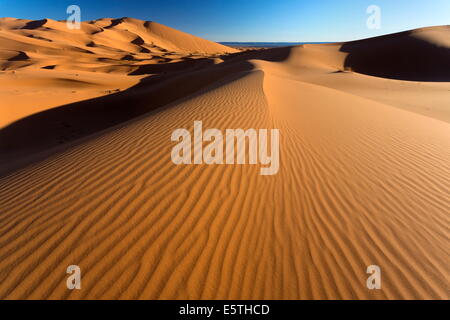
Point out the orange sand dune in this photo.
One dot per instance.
(104, 50)
(88, 180)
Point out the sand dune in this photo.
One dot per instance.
(364, 176)
(105, 46)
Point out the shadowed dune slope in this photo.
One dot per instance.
(418, 55)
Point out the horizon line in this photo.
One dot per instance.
(220, 41)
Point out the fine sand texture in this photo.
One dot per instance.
(86, 176)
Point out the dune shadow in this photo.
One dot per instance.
(172, 67)
(399, 56)
(138, 41)
(32, 36)
(34, 24)
(21, 56)
(115, 22)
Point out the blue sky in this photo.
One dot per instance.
(251, 20)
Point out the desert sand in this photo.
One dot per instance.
(86, 176)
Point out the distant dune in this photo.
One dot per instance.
(110, 48)
(86, 176)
